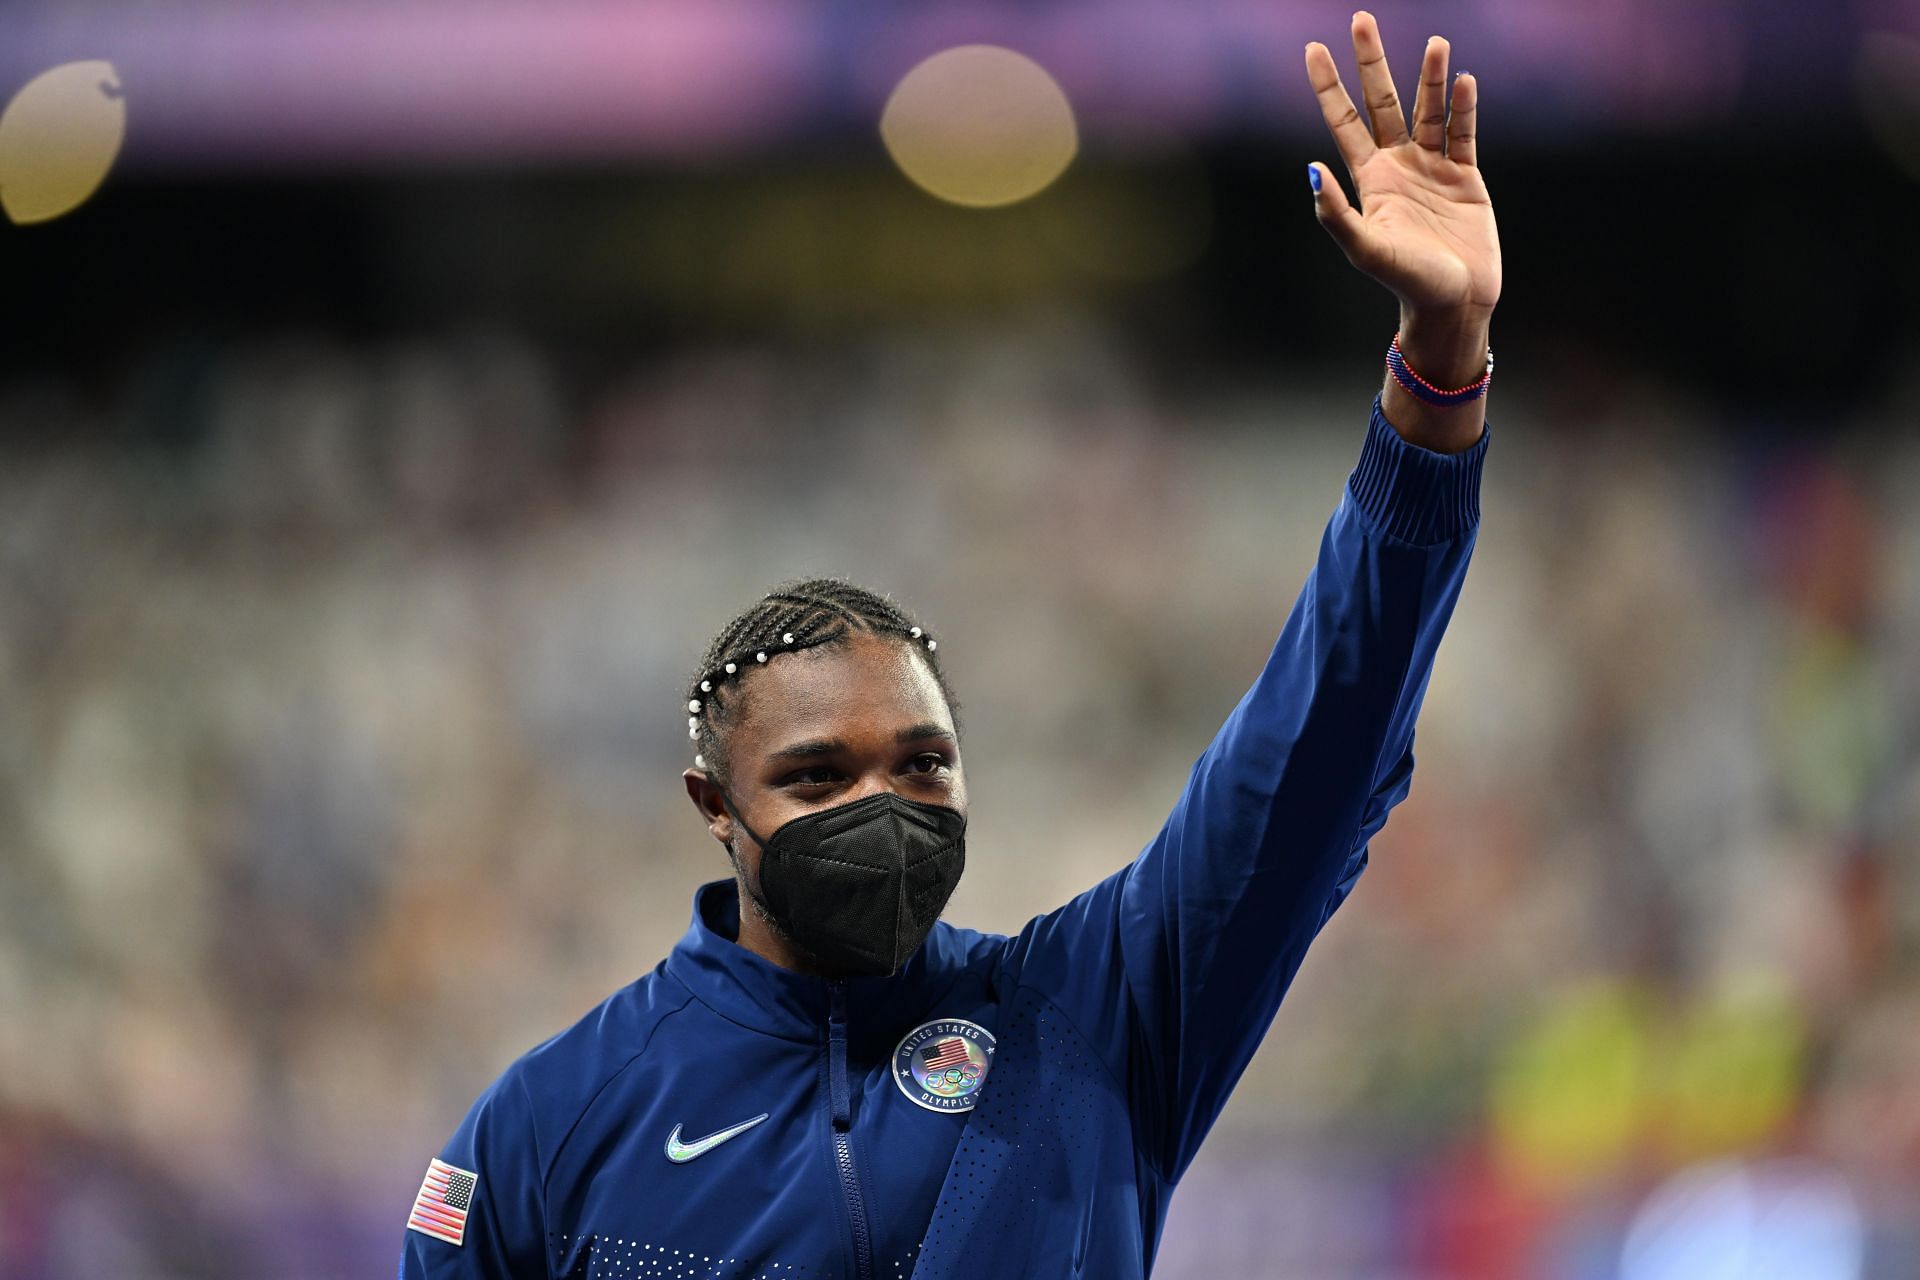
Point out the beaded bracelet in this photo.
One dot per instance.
(1420, 389)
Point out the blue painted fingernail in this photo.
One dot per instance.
(1313, 178)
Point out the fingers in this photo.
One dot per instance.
(1376, 82)
(1342, 221)
(1466, 106)
(1438, 125)
(1343, 120)
(1430, 103)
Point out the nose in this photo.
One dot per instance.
(874, 782)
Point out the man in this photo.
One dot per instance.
(832, 1082)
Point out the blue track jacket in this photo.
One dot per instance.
(1003, 1106)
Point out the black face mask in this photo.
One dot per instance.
(858, 886)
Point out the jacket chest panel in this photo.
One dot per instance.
(673, 1172)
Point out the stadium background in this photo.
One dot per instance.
(384, 440)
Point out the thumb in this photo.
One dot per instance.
(1342, 221)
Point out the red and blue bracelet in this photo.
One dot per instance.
(1420, 389)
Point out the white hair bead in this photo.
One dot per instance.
(693, 733)
(760, 656)
(787, 638)
(693, 722)
(914, 632)
(932, 645)
(699, 761)
(731, 668)
(706, 686)
(693, 705)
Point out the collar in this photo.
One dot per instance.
(752, 991)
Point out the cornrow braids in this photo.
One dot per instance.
(796, 615)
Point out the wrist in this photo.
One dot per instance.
(1448, 348)
(1445, 350)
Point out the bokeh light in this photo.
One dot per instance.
(980, 125)
(1734, 1220)
(58, 140)
(1730, 1072)
(1567, 1097)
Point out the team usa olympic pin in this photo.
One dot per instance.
(941, 1065)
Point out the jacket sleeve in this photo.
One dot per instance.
(1174, 966)
(502, 1236)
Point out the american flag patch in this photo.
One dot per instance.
(446, 1197)
(950, 1052)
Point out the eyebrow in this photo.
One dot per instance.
(827, 746)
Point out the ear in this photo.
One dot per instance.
(705, 794)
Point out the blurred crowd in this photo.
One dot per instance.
(340, 732)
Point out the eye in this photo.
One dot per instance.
(927, 762)
(818, 775)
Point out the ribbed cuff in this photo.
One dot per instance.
(1414, 494)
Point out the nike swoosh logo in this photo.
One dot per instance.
(680, 1152)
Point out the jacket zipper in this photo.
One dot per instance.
(842, 1122)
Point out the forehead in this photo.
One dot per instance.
(868, 685)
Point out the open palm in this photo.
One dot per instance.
(1425, 225)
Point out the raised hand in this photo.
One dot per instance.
(1425, 226)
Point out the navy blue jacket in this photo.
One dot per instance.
(1003, 1106)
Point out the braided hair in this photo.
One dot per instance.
(796, 615)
